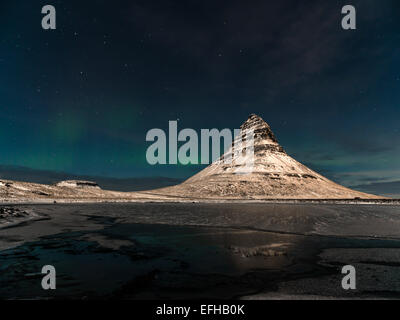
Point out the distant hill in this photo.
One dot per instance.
(24, 174)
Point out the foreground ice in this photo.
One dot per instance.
(257, 251)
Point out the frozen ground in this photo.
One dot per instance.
(191, 250)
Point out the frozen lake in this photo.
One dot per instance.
(184, 251)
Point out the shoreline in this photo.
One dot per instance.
(9, 202)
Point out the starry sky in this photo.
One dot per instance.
(81, 98)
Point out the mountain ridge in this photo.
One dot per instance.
(47, 177)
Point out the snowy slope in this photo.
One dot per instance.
(275, 175)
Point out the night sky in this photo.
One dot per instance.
(80, 99)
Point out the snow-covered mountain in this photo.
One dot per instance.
(274, 174)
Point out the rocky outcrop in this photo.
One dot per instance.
(10, 212)
(78, 184)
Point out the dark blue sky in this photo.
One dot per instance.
(81, 99)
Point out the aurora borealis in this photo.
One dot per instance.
(81, 98)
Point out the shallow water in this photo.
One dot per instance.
(99, 252)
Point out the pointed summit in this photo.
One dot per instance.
(274, 175)
(264, 139)
(261, 129)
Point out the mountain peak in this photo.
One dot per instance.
(253, 118)
(273, 175)
(262, 131)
